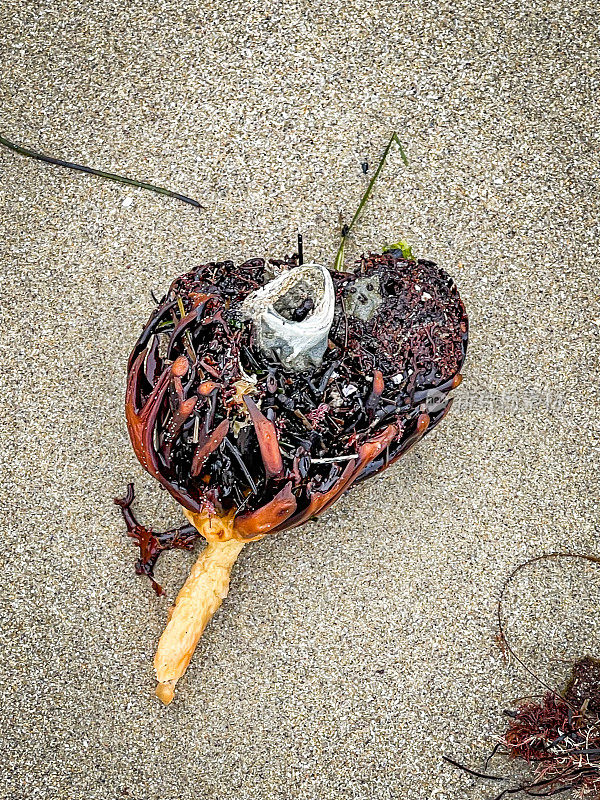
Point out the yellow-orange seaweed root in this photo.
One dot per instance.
(199, 598)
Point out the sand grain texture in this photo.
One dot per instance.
(350, 654)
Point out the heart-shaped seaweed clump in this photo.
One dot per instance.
(259, 393)
(224, 426)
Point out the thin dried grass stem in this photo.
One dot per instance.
(339, 259)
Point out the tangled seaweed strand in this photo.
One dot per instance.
(153, 543)
(563, 743)
(560, 735)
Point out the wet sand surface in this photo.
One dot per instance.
(353, 653)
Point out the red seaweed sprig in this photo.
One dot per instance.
(152, 543)
(558, 735)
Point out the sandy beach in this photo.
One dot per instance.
(353, 653)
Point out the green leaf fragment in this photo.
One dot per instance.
(404, 247)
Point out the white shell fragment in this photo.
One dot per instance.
(299, 345)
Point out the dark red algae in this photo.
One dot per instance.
(560, 736)
(226, 428)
